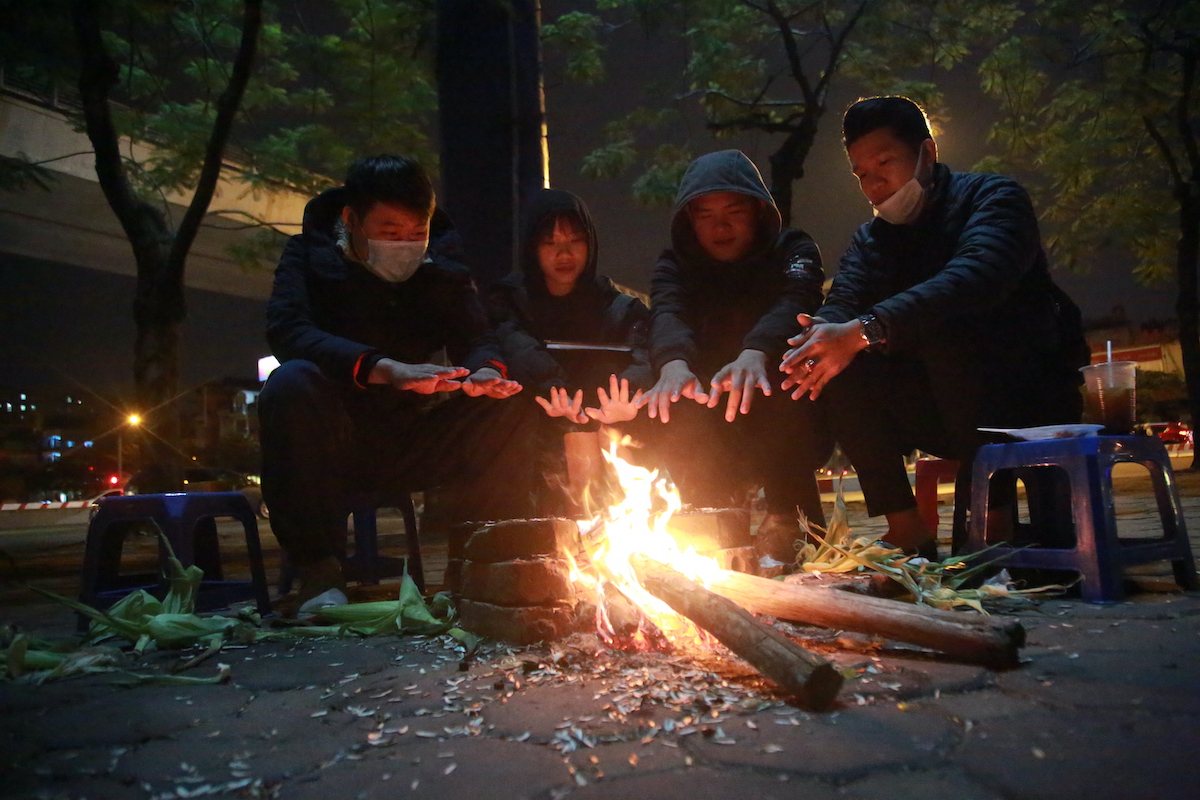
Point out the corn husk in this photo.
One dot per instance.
(938, 584)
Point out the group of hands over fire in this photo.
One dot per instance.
(817, 354)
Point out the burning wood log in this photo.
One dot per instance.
(812, 679)
(972, 638)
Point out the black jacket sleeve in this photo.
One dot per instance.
(292, 332)
(635, 326)
(848, 295)
(801, 294)
(470, 340)
(528, 360)
(671, 336)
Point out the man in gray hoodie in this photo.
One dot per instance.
(723, 300)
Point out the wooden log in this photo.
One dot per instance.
(987, 640)
(813, 680)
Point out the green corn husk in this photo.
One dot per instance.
(406, 614)
(148, 623)
(937, 584)
(29, 658)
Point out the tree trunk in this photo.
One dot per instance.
(1187, 306)
(160, 254)
(490, 120)
(787, 163)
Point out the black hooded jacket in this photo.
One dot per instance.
(971, 268)
(706, 311)
(527, 316)
(333, 311)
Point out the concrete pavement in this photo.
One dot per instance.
(1104, 706)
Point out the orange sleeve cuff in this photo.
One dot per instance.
(500, 366)
(357, 367)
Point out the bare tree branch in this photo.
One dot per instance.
(227, 107)
(839, 44)
(98, 75)
(793, 54)
(756, 103)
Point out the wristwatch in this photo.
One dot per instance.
(872, 331)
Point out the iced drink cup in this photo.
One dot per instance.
(1110, 397)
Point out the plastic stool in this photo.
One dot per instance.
(188, 522)
(365, 565)
(1099, 555)
(927, 474)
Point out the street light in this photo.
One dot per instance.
(133, 420)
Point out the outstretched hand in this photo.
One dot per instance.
(740, 378)
(489, 382)
(616, 406)
(561, 404)
(419, 378)
(819, 353)
(676, 380)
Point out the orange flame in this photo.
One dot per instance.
(638, 525)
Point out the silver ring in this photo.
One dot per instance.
(809, 364)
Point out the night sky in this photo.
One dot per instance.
(61, 323)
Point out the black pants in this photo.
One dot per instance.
(883, 407)
(777, 446)
(325, 447)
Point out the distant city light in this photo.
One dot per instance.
(266, 366)
(133, 419)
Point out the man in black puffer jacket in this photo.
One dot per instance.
(722, 295)
(942, 317)
(363, 300)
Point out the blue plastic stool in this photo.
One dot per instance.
(188, 522)
(365, 565)
(1099, 555)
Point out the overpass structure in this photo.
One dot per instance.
(73, 224)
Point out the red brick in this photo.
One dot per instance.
(522, 538)
(516, 625)
(520, 582)
(714, 529)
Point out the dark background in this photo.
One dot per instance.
(66, 324)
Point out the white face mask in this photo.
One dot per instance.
(394, 261)
(905, 206)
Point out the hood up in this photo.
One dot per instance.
(544, 203)
(723, 171)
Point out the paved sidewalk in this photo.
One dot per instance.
(1104, 706)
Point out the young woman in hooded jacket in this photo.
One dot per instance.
(567, 333)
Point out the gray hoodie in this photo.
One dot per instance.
(723, 171)
(706, 311)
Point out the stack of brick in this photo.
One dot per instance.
(513, 579)
(722, 534)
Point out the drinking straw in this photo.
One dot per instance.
(1110, 351)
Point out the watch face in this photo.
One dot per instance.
(872, 330)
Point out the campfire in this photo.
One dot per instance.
(637, 526)
(629, 575)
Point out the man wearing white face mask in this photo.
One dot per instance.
(363, 301)
(942, 317)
